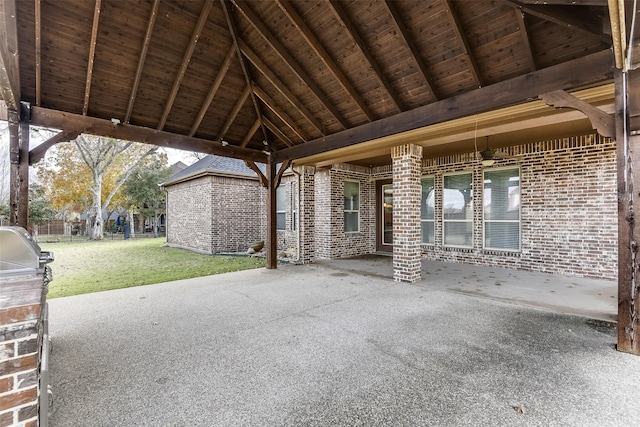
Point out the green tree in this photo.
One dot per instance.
(142, 189)
(40, 210)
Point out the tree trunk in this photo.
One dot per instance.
(132, 225)
(94, 219)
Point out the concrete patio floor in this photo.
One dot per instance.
(319, 345)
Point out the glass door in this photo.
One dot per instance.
(387, 214)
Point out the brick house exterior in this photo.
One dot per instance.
(567, 209)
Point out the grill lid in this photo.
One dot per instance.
(19, 253)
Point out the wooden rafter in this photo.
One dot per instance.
(591, 69)
(214, 89)
(202, 20)
(559, 15)
(233, 29)
(252, 131)
(522, 25)
(277, 132)
(141, 61)
(408, 41)
(92, 54)
(601, 121)
(322, 53)
(38, 152)
(288, 59)
(457, 29)
(280, 87)
(9, 66)
(342, 16)
(38, 53)
(94, 126)
(266, 99)
(234, 113)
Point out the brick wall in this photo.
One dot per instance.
(189, 214)
(20, 342)
(331, 240)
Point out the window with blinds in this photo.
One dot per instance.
(457, 210)
(281, 208)
(501, 209)
(351, 206)
(427, 211)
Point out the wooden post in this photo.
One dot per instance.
(19, 159)
(628, 157)
(272, 234)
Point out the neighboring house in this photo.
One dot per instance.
(548, 206)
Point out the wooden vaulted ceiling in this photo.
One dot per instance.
(294, 78)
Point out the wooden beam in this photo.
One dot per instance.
(272, 215)
(234, 113)
(252, 131)
(466, 48)
(92, 55)
(270, 103)
(38, 152)
(19, 166)
(191, 47)
(342, 16)
(413, 49)
(141, 60)
(628, 161)
(589, 70)
(277, 132)
(528, 49)
(283, 167)
(9, 63)
(289, 60)
(322, 53)
(573, 19)
(214, 89)
(601, 121)
(263, 179)
(284, 91)
(38, 53)
(94, 126)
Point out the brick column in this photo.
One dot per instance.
(307, 213)
(407, 160)
(20, 342)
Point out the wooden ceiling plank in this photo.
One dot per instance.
(141, 61)
(288, 59)
(38, 53)
(38, 152)
(252, 131)
(233, 29)
(589, 70)
(102, 127)
(214, 89)
(280, 87)
(277, 132)
(317, 47)
(9, 64)
(232, 116)
(92, 54)
(522, 25)
(186, 59)
(342, 16)
(266, 99)
(459, 33)
(559, 15)
(408, 41)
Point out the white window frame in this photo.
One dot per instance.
(518, 221)
(446, 221)
(281, 210)
(345, 211)
(433, 221)
(294, 204)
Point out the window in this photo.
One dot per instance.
(501, 209)
(351, 206)
(427, 211)
(294, 198)
(281, 208)
(457, 210)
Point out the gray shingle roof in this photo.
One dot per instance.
(214, 165)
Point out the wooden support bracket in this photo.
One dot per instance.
(602, 122)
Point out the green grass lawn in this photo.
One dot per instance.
(82, 267)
